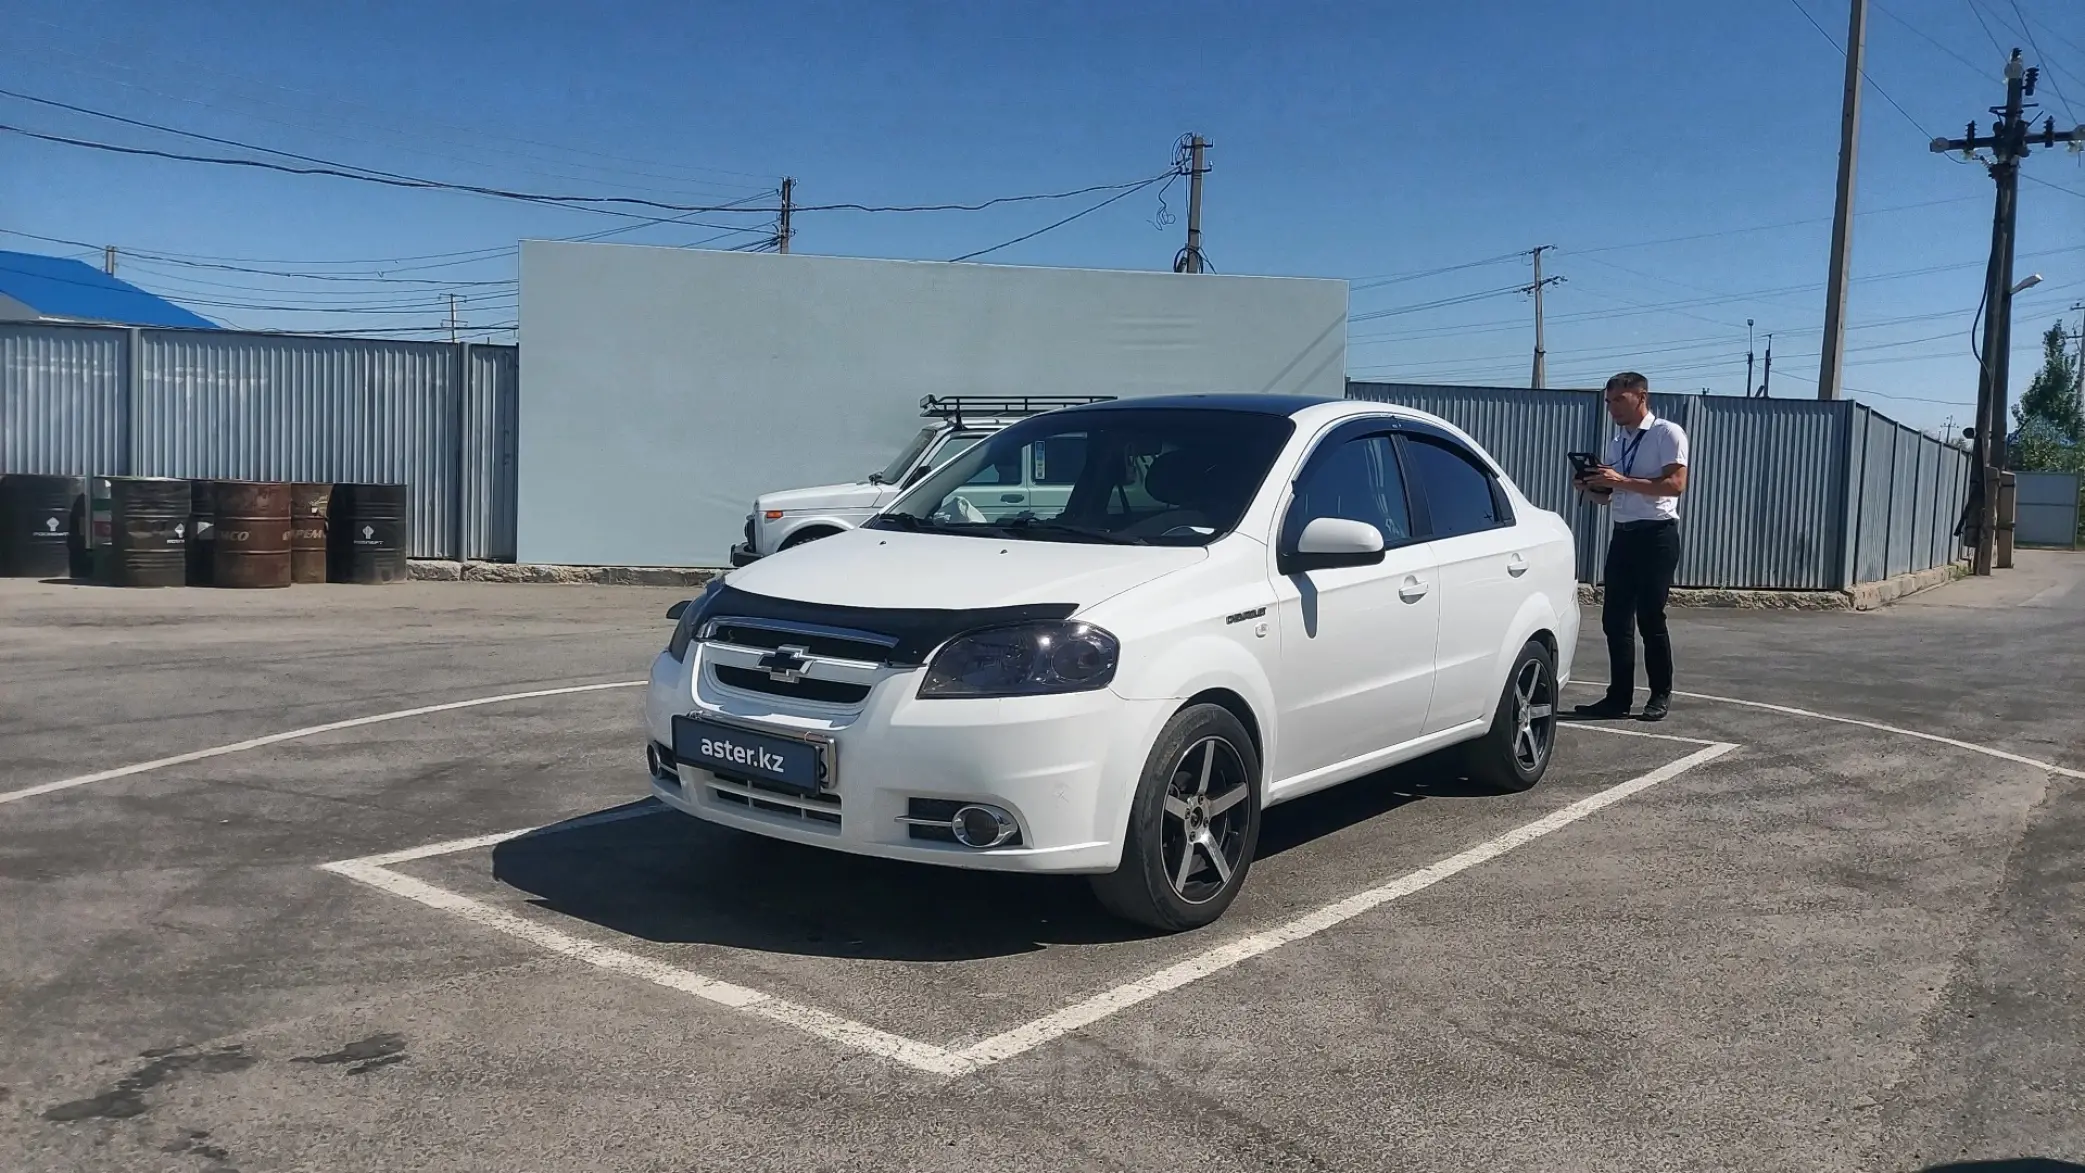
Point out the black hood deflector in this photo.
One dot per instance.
(918, 630)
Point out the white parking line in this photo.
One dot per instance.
(1972, 747)
(374, 871)
(181, 759)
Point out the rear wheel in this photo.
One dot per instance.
(1515, 753)
(1193, 826)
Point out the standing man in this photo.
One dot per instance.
(1641, 483)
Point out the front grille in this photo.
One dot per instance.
(822, 809)
(834, 647)
(941, 810)
(749, 531)
(824, 692)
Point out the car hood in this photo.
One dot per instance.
(886, 569)
(859, 495)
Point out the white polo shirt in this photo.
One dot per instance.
(1644, 453)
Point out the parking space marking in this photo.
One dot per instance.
(1971, 746)
(182, 759)
(374, 871)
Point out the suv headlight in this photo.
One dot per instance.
(1028, 660)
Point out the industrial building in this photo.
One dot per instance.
(37, 288)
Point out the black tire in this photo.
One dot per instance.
(806, 535)
(1203, 757)
(1515, 752)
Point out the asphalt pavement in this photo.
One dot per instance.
(1825, 944)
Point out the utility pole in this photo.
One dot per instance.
(1766, 373)
(108, 259)
(1190, 258)
(452, 317)
(1842, 212)
(2010, 140)
(1748, 358)
(1540, 378)
(2078, 371)
(782, 229)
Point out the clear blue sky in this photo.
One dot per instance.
(1355, 140)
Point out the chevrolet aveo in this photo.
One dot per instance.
(1236, 601)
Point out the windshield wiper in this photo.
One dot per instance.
(904, 521)
(1029, 525)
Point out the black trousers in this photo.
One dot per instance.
(1641, 560)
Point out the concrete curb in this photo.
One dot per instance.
(1867, 596)
(432, 570)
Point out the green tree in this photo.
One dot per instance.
(2052, 398)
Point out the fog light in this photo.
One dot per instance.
(982, 826)
(659, 766)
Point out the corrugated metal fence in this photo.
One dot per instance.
(1783, 493)
(118, 401)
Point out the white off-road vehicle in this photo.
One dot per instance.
(1239, 600)
(792, 517)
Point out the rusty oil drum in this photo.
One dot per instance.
(310, 504)
(252, 534)
(371, 532)
(148, 532)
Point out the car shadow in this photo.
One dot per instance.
(2015, 1165)
(677, 880)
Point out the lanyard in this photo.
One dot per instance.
(1629, 453)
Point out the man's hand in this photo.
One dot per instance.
(1602, 480)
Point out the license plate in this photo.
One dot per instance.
(735, 752)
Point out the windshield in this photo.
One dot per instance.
(1164, 476)
(913, 448)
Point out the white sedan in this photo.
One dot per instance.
(1241, 600)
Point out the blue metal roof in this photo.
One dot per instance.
(58, 288)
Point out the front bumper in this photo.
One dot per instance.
(1065, 767)
(743, 554)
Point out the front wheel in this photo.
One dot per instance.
(1515, 753)
(1193, 826)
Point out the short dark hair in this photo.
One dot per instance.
(1629, 381)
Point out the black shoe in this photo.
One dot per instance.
(1605, 709)
(1656, 708)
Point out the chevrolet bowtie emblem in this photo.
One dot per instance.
(785, 665)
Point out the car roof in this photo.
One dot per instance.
(1253, 404)
(1304, 409)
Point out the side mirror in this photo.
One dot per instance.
(678, 609)
(1329, 542)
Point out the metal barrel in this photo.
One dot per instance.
(202, 533)
(309, 507)
(148, 528)
(37, 524)
(371, 532)
(252, 534)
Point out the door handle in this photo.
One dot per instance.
(1010, 498)
(1413, 590)
(1516, 566)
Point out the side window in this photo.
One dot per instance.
(1058, 459)
(1461, 497)
(1003, 472)
(1357, 480)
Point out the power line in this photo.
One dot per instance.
(1120, 195)
(337, 170)
(1439, 303)
(1359, 284)
(2044, 57)
(1864, 73)
(1978, 13)
(1943, 46)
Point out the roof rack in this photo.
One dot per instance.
(954, 407)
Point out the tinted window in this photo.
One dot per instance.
(1459, 494)
(1059, 458)
(1174, 476)
(1356, 480)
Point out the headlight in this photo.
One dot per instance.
(1029, 660)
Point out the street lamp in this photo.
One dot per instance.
(2027, 282)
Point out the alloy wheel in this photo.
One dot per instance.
(1534, 715)
(1202, 836)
